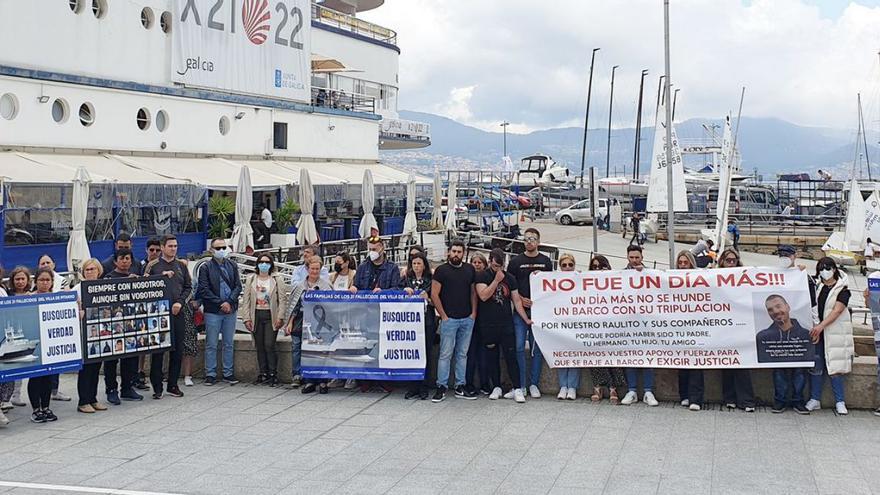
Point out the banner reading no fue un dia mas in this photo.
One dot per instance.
(723, 318)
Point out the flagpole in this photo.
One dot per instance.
(670, 220)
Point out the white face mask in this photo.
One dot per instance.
(826, 274)
(785, 262)
(374, 255)
(221, 253)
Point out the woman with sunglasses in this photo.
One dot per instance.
(263, 306)
(736, 384)
(569, 378)
(690, 381)
(417, 280)
(475, 362)
(832, 337)
(610, 378)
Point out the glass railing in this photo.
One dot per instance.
(331, 98)
(405, 129)
(339, 20)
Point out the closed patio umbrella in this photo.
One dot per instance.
(437, 214)
(77, 244)
(410, 223)
(368, 226)
(450, 206)
(306, 231)
(242, 232)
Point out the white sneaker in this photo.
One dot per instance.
(572, 394)
(749, 409)
(694, 407)
(510, 394)
(650, 400)
(16, 401)
(534, 392)
(334, 383)
(350, 384)
(840, 407)
(3, 419)
(496, 394)
(731, 405)
(5, 406)
(813, 405)
(629, 398)
(685, 403)
(60, 396)
(563, 392)
(188, 381)
(519, 396)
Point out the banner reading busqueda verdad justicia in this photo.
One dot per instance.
(724, 318)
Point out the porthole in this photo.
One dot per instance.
(143, 119)
(99, 8)
(224, 125)
(8, 106)
(161, 120)
(75, 6)
(86, 114)
(165, 22)
(147, 17)
(59, 111)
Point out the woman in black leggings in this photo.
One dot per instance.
(39, 388)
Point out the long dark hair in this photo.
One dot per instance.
(347, 258)
(271, 262)
(602, 261)
(409, 269)
(827, 262)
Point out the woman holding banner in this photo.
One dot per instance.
(87, 380)
(19, 285)
(294, 318)
(39, 388)
(690, 381)
(59, 283)
(417, 280)
(833, 336)
(569, 378)
(610, 378)
(263, 306)
(736, 384)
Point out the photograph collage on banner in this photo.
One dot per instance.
(125, 316)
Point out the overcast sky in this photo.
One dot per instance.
(526, 61)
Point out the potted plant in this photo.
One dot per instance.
(220, 209)
(286, 217)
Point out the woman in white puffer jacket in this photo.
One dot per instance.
(833, 336)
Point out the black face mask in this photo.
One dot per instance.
(337, 267)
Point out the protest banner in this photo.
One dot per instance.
(874, 305)
(125, 316)
(41, 335)
(369, 336)
(724, 318)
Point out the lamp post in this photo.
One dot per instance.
(670, 220)
(587, 117)
(504, 127)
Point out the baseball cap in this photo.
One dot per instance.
(786, 250)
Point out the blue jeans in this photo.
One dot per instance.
(521, 333)
(215, 326)
(785, 379)
(296, 350)
(569, 377)
(818, 374)
(455, 338)
(632, 379)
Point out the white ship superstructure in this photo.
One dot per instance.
(14, 344)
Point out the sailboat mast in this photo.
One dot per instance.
(610, 112)
(587, 117)
(637, 150)
(864, 137)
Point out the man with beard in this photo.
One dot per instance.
(128, 366)
(454, 297)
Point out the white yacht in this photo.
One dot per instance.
(15, 345)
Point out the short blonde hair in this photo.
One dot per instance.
(566, 256)
(92, 261)
(311, 260)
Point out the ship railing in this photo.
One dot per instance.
(339, 20)
(338, 99)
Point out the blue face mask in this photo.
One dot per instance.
(263, 267)
(221, 253)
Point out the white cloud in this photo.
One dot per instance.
(482, 62)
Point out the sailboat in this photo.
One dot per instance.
(657, 183)
(725, 177)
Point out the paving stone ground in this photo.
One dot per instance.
(258, 440)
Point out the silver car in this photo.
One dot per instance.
(579, 212)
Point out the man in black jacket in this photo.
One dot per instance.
(128, 366)
(179, 285)
(219, 288)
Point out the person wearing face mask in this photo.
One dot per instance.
(787, 329)
(833, 336)
(219, 288)
(263, 306)
(344, 272)
(736, 384)
(690, 381)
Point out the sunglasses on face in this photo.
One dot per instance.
(153, 250)
(730, 260)
(531, 239)
(567, 265)
(826, 267)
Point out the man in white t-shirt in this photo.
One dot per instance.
(870, 249)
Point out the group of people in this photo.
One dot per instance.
(477, 311)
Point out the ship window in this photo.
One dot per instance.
(165, 22)
(223, 125)
(8, 106)
(86, 114)
(147, 17)
(75, 6)
(143, 119)
(161, 120)
(99, 8)
(279, 136)
(59, 111)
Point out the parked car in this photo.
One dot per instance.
(580, 212)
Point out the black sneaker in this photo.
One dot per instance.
(38, 417)
(802, 409)
(778, 408)
(273, 380)
(210, 381)
(141, 381)
(157, 395)
(309, 388)
(411, 394)
(49, 415)
(463, 393)
(261, 380)
(175, 391)
(439, 395)
(130, 394)
(113, 397)
(230, 379)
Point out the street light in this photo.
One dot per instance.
(504, 127)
